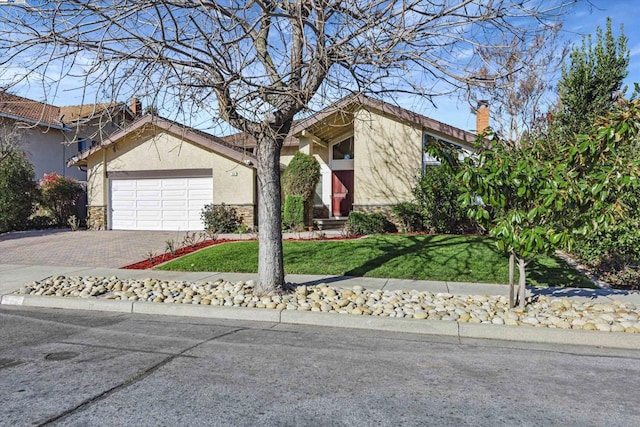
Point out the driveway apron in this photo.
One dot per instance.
(112, 249)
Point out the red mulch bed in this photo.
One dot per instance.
(153, 262)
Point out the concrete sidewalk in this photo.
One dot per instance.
(14, 276)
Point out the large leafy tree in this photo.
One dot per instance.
(590, 87)
(591, 81)
(538, 197)
(256, 64)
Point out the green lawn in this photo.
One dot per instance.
(426, 257)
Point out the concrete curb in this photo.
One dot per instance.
(212, 312)
(427, 327)
(68, 303)
(551, 336)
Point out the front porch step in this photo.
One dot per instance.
(330, 223)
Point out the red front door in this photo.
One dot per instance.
(342, 193)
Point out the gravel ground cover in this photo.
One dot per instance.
(564, 313)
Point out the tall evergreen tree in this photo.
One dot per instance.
(592, 81)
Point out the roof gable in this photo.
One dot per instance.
(340, 113)
(192, 135)
(347, 106)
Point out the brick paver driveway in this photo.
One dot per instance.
(111, 249)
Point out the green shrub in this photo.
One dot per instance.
(410, 215)
(59, 195)
(437, 193)
(360, 223)
(293, 212)
(17, 191)
(220, 219)
(614, 253)
(38, 221)
(300, 178)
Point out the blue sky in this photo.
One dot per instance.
(583, 19)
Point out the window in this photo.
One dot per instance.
(429, 160)
(343, 150)
(82, 144)
(317, 195)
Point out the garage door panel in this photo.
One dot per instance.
(159, 204)
(205, 183)
(123, 204)
(125, 193)
(124, 224)
(145, 184)
(174, 183)
(193, 215)
(175, 204)
(128, 214)
(148, 194)
(123, 185)
(175, 225)
(143, 224)
(149, 215)
(173, 215)
(149, 204)
(172, 194)
(199, 194)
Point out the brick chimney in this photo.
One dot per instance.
(136, 107)
(482, 116)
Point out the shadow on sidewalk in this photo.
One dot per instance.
(580, 292)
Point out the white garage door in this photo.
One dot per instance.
(159, 204)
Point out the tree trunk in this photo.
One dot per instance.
(522, 282)
(309, 211)
(270, 255)
(512, 260)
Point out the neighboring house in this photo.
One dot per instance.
(41, 134)
(157, 174)
(49, 134)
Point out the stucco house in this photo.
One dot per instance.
(157, 174)
(49, 134)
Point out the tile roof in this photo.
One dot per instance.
(41, 113)
(31, 111)
(85, 111)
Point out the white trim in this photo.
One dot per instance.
(325, 176)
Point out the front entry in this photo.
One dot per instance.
(342, 193)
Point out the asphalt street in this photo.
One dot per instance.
(60, 367)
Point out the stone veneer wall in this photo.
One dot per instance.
(247, 214)
(96, 217)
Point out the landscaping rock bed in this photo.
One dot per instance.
(547, 312)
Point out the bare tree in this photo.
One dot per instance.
(528, 67)
(259, 63)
